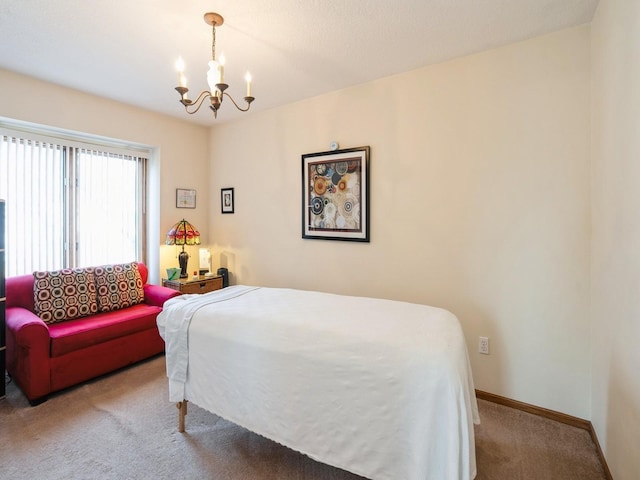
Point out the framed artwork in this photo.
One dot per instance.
(226, 200)
(335, 195)
(185, 198)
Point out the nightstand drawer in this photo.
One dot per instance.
(202, 285)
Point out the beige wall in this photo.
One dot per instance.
(479, 204)
(615, 34)
(180, 159)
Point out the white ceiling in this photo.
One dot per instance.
(126, 49)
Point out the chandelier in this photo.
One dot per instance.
(215, 78)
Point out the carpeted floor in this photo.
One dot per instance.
(121, 426)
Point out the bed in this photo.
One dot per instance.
(376, 387)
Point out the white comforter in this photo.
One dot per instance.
(379, 388)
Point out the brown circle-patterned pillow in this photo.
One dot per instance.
(64, 294)
(118, 286)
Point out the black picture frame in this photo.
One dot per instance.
(335, 195)
(226, 200)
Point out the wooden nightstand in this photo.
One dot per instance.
(202, 285)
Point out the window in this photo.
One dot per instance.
(70, 204)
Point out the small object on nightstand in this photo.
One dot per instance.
(173, 273)
(225, 276)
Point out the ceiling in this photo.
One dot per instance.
(126, 50)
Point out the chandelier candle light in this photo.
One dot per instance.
(183, 233)
(215, 78)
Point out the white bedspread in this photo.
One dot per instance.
(379, 388)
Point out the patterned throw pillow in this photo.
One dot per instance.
(64, 294)
(118, 286)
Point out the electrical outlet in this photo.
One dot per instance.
(483, 345)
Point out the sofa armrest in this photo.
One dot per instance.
(157, 295)
(28, 348)
(27, 329)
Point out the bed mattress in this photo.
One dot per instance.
(377, 387)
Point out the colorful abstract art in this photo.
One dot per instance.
(336, 195)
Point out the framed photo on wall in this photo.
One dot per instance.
(185, 198)
(226, 200)
(335, 195)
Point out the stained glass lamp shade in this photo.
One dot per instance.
(183, 233)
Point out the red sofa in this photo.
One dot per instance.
(47, 357)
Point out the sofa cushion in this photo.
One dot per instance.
(64, 294)
(85, 332)
(118, 286)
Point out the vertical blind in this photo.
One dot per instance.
(70, 206)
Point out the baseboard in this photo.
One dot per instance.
(541, 412)
(552, 415)
(594, 437)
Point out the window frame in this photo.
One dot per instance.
(71, 141)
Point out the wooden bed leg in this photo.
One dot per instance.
(182, 407)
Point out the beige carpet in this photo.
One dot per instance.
(122, 427)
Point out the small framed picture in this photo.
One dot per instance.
(185, 198)
(226, 200)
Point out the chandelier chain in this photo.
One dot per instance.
(213, 43)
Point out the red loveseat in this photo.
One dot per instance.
(47, 357)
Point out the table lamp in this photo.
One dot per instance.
(183, 233)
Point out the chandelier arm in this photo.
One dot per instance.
(197, 102)
(247, 99)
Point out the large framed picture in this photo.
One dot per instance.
(226, 200)
(335, 195)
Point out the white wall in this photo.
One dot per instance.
(615, 291)
(181, 157)
(479, 204)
